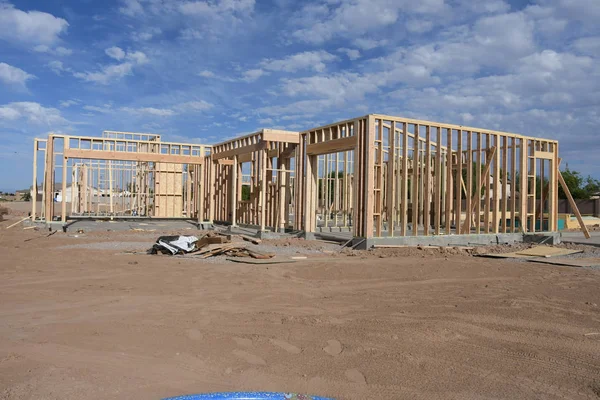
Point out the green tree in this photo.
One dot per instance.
(580, 187)
(26, 196)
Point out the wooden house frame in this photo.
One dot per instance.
(143, 176)
(404, 177)
(260, 166)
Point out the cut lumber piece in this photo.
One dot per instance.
(251, 239)
(584, 228)
(259, 261)
(504, 255)
(17, 223)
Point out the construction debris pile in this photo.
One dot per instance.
(209, 245)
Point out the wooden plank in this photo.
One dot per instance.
(391, 175)
(224, 161)
(459, 182)
(523, 186)
(438, 183)
(546, 155)
(584, 229)
(271, 135)
(368, 192)
(469, 192)
(332, 146)
(478, 186)
(513, 186)
(449, 196)
(414, 195)
(504, 181)
(496, 185)
(34, 185)
(128, 156)
(427, 188)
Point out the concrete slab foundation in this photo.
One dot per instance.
(445, 240)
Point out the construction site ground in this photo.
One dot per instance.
(89, 315)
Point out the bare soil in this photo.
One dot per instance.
(83, 319)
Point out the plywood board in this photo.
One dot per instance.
(570, 262)
(245, 260)
(545, 251)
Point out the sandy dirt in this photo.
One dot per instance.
(81, 318)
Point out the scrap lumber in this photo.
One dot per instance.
(251, 239)
(18, 222)
(267, 261)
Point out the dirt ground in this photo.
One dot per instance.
(83, 320)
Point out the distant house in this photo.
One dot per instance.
(40, 192)
(72, 192)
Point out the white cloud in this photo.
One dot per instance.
(13, 75)
(315, 60)
(104, 109)
(368, 44)
(191, 106)
(58, 67)
(58, 51)
(30, 27)
(131, 8)
(252, 75)
(352, 54)
(137, 57)
(419, 26)
(158, 112)
(107, 74)
(145, 34)
(34, 113)
(181, 108)
(206, 74)
(115, 52)
(68, 103)
(357, 17)
(114, 72)
(212, 9)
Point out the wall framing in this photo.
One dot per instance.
(120, 174)
(260, 166)
(422, 178)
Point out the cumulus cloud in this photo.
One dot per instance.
(58, 51)
(34, 113)
(217, 8)
(29, 27)
(352, 54)
(181, 108)
(131, 8)
(13, 76)
(115, 52)
(68, 103)
(113, 72)
(58, 67)
(315, 60)
(158, 112)
(252, 75)
(356, 17)
(103, 109)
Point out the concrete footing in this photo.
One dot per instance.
(442, 240)
(267, 235)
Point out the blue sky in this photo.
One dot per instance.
(204, 71)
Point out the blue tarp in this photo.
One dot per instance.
(248, 396)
